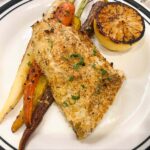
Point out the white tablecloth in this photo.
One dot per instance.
(145, 2)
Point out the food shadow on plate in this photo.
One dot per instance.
(113, 119)
(107, 52)
(101, 132)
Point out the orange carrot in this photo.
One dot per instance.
(65, 13)
(30, 85)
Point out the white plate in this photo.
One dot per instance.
(124, 126)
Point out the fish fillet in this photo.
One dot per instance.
(84, 84)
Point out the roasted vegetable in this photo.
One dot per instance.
(16, 91)
(40, 88)
(65, 13)
(76, 20)
(76, 23)
(18, 122)
(118, 26)
(30, 86)
(87, 26)
(42, 107)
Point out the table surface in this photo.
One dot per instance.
(146, 2)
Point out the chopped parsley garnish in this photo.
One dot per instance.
(75, 97)
(109, 78)
(76, 66)
(80, 63)
(65, 104)
(94, 66)
(75, 56)
(29, 63)
(103, 71)
(94, 51)
(71, 78)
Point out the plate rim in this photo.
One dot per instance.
(12, 5)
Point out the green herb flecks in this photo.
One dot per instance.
(94, 66)
(75, 55)
(29, 64)
(75, 97)
(109, 78)
(94, 51)
(103, 72)
(65, 104)
(80, 63)
(76, 66)
(71, 78)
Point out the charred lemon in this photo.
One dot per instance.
(118, 26)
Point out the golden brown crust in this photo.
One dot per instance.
(83, 83)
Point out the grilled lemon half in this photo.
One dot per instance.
(118, 26)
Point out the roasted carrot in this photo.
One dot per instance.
(29, 88)
(42, 107)
(16, 91)
(40, 88)
(30, 85)
(65, 13)
(18, 121)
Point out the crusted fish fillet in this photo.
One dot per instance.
(83, 82)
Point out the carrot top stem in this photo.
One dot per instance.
(71, 1)
(81, 7)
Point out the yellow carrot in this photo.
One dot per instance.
(40, 88)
